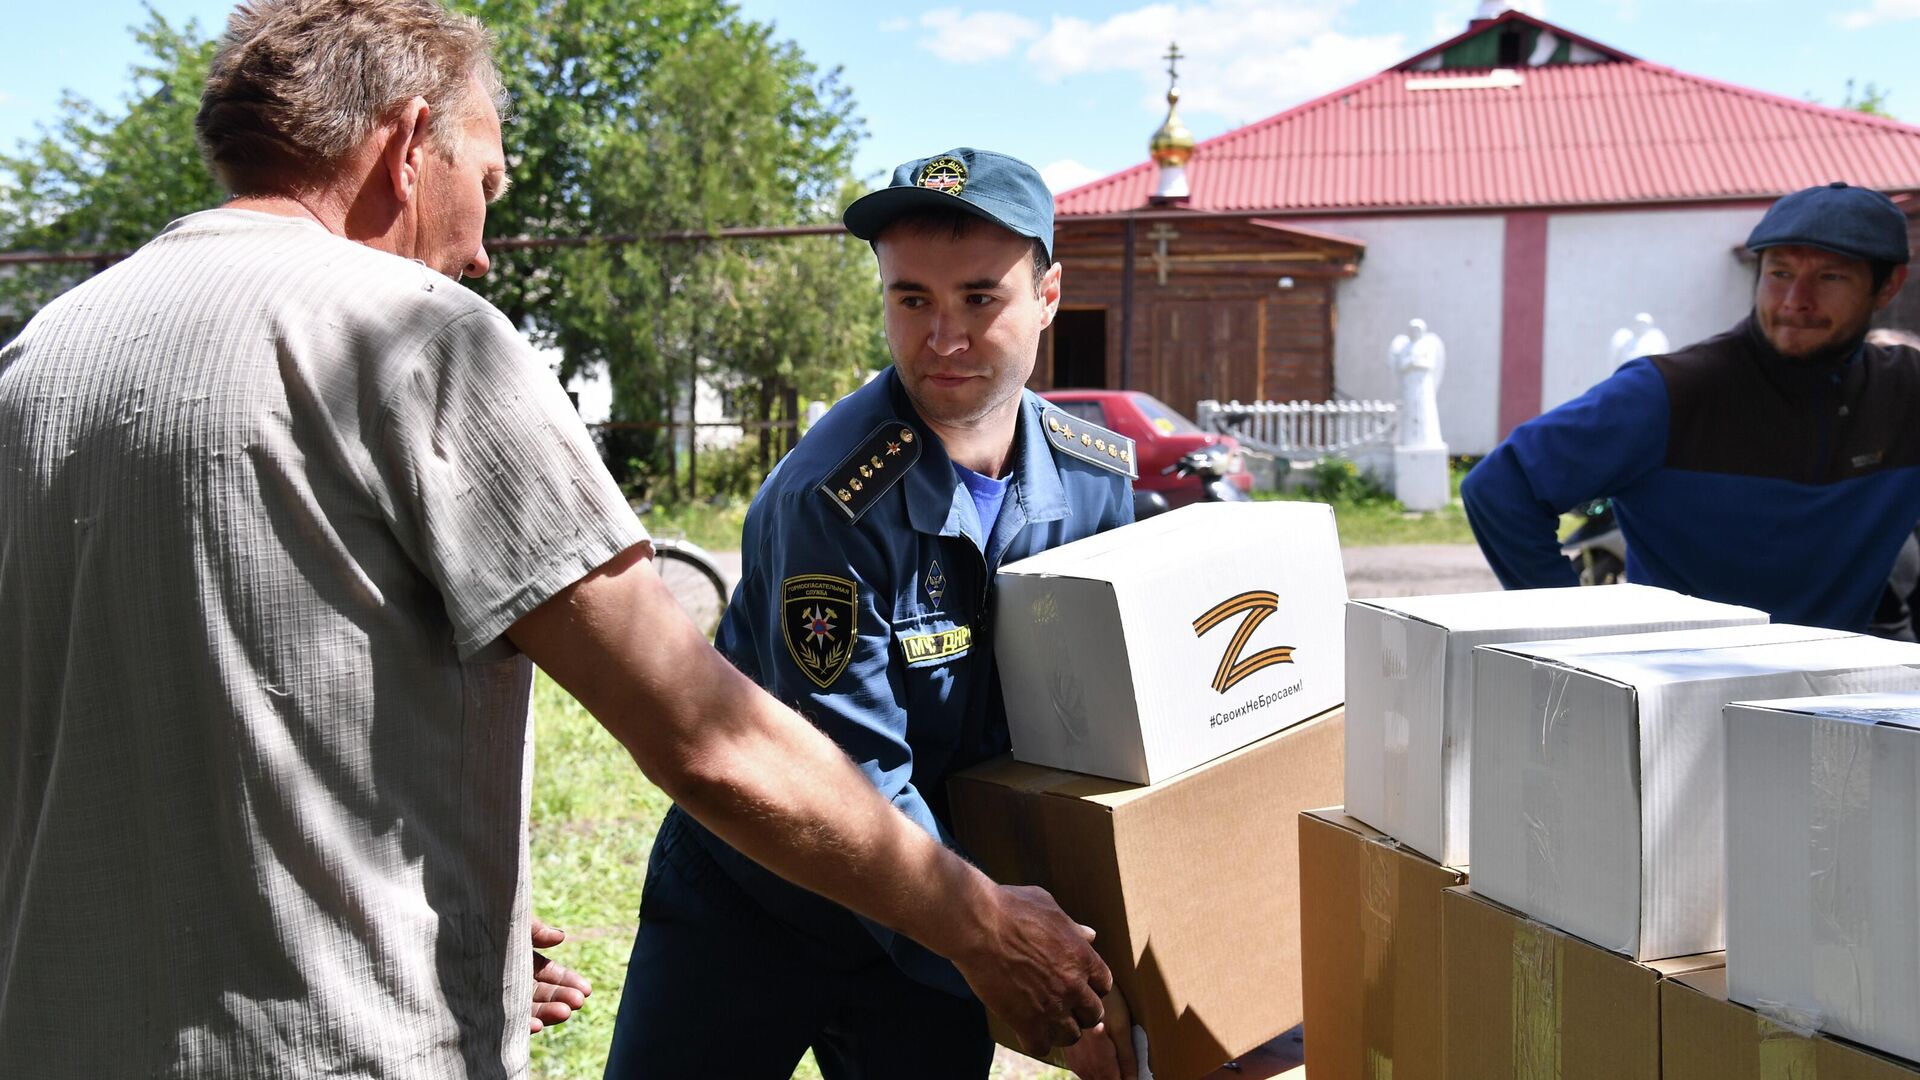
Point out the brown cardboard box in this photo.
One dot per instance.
(1192, 884)
(1703, 1036)
(1370, 951)
(1523, 1001)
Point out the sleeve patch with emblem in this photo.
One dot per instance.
(818, 619)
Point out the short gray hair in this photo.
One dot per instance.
(296, 85)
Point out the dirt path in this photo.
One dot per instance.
(1416, 570)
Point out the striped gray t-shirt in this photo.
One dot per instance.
(269, 500)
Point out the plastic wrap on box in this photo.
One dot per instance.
(1821, 796)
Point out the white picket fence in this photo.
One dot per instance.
(1303, 430)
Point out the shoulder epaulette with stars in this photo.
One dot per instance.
(1090, 442)
(876, 465)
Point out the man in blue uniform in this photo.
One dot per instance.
(1776, 465)
(865, 601)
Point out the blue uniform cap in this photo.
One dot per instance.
(1857, 222)
(1003, 190)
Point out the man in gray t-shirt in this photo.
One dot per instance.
(285, 512)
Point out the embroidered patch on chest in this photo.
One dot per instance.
(936, 583)
(819, 619)
(938, 645)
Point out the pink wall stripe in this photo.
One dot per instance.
(1524, 317)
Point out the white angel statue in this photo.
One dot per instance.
(1419, 358)
(1641, 339)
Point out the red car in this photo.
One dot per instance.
(1160, 437)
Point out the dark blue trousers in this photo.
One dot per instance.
(719, 987)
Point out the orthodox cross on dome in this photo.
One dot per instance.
(1172, 146)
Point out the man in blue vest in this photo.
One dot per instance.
(1776, 465)
(867, 572)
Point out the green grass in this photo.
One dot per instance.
(593, 821)
(714, 526)
(1368, 517)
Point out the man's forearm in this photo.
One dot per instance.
(1517, 534)
(771, 785)
(745, 766)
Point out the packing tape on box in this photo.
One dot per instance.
(1377, 879)
(1396, 729)
(1786, 1053)
(1542, 805)
(1842, 838)
(1536, 1000)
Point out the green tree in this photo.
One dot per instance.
(677, 120)
(667, 120)
(96, 180)
(1871, 99)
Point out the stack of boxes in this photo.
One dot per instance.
(1635, 780)
(1173, 693)
(1625, 820)
(1371, 900)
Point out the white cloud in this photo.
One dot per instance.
(975, 36)
(6, 99)
(1450, 20)
(1067, 174)
(1879, 12)
(1244, 58)
(894, 26)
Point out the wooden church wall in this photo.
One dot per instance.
(1221, 327)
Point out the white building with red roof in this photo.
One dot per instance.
(1524, 190)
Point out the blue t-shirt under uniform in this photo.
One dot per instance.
(988, 493)
(1738, 475)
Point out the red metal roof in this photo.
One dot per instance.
(1620, 131)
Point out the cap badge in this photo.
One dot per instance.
(948, 174)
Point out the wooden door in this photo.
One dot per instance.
(1299, 344)
(1205, 349)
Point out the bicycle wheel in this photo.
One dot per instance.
(694, 581)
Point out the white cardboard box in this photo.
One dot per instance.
(1823, 863)
(1410, 690)
(1598, 770)
(1145, 651)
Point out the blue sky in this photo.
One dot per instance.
(1076, 86)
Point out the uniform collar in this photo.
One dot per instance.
(937, 502)
(1042, 493)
